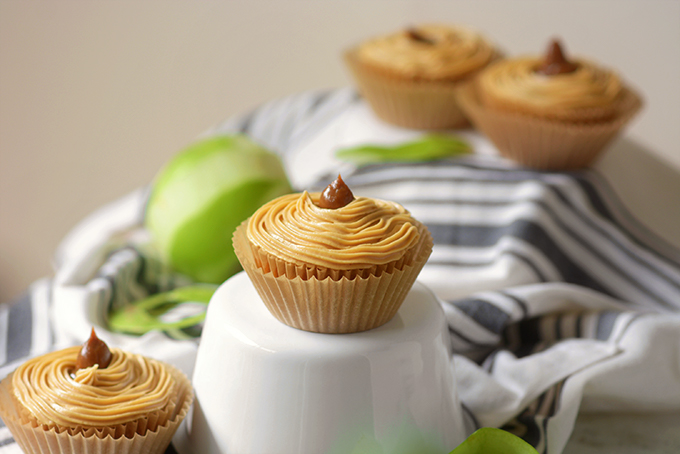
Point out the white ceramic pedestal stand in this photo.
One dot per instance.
(264, 387)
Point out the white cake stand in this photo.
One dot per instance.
(264, 387)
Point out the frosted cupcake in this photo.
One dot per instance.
(93, 399)
(332, 263)
(549, 112)
(409, 77)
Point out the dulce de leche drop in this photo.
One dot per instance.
(94, 351)
(336, 195)
(417, 36)
(555, 62)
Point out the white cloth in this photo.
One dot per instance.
(554, 305)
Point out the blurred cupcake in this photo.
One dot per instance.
(94, 400)
(549, 112)
(409, 77)
(332, 263)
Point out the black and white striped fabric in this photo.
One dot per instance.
(556, 299)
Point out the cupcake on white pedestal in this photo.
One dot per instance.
(270, 378)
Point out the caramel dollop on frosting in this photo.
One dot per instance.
(516, 82)
(428, 52)
(416, 35)
(554, 61)
(336, 195)
(94, 351)
(361, 234)
(55, 393)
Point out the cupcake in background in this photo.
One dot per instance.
(549, 112)
(409, 77)
(332, 263)
(92, 399)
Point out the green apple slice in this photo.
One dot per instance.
(489, 440)
(202, 195)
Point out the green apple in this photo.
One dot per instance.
(202, 195)
(489, 440)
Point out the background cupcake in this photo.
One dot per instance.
(94, 400)
(331, 263)
(409, 77)
(549, 112)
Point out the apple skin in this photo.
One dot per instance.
(201, 196)
(490, 440)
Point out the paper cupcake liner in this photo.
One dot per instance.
(408, 103)
(150, 435)
(333, 306)
(272, 264)
(544, 143)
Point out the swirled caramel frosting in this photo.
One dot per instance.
(363, 233)
(517, 84)
(51, 389)
(428, 52)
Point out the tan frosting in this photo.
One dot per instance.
(130, 388)
(516, 82)
(363, 233)
(454, 54)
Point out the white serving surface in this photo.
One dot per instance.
(264, 387)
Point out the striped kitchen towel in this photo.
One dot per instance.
(557, 300)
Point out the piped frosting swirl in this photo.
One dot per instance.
(364, 233)
(517, 83)
(428, 52)
(54, 393)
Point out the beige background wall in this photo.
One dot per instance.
(96, 95)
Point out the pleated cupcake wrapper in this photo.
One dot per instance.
(271, 264)
(543, 143)
(150, 435)
(333, 306)
(408, 103)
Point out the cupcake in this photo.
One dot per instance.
(549, 112)
(409, 77)
(93, 399)
(332, 263)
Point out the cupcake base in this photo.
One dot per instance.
(328, 305)
(543, 143)
(34, 438)
(408, 103)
